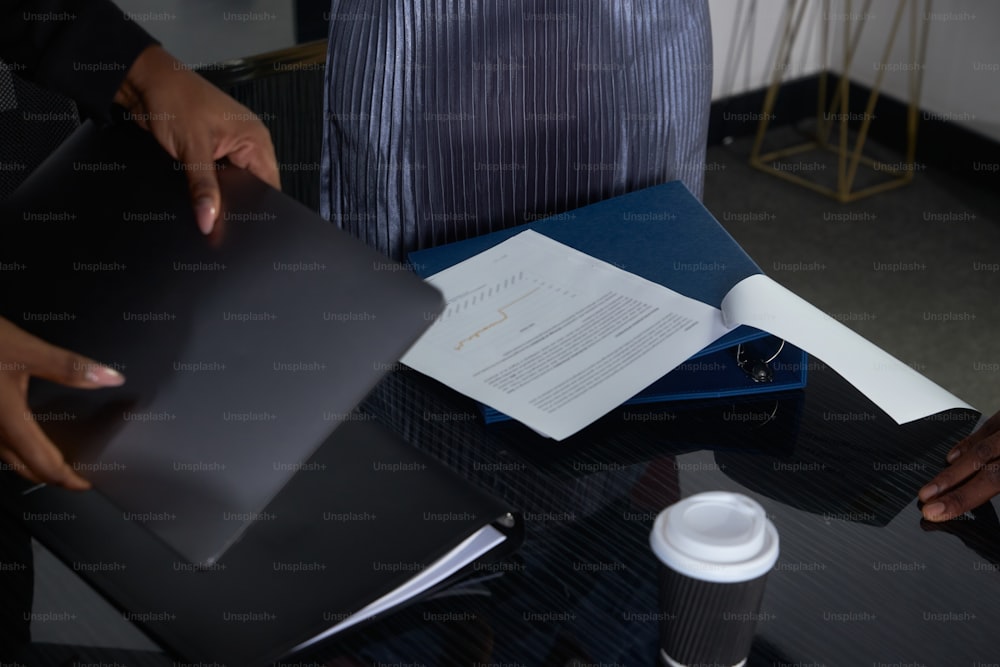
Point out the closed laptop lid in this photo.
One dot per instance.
(242, 350)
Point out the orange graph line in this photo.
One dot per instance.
(503, 318)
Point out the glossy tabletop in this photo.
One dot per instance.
(861, 580)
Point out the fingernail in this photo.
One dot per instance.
(933, 510)
(952, 455)
(71, 480)
(205, 212)
(928, 491)
(82, 485)
(77, 483)
(104, 376)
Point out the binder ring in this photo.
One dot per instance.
(758, 370)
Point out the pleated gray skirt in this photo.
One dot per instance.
(451, 118)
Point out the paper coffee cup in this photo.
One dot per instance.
(716, 550)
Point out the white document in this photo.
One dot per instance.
(471, 549)
(902, 392)
(554, 337)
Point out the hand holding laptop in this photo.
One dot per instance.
(23, 445)
(210, 125)
(197, 124)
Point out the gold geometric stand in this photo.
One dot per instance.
(849, 157)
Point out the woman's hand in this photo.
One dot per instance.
(972, 478)
(23, 444)
(197, 124)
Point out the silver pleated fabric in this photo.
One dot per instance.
(451, 118)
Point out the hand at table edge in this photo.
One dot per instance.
(971, 478)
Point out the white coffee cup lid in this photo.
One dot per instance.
(716, 536)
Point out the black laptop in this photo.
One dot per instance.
(244, 353)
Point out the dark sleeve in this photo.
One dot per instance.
(80, 48)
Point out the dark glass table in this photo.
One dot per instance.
(861, 579)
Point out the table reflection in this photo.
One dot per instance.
(860, 580)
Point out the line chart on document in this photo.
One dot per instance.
(490, 308)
